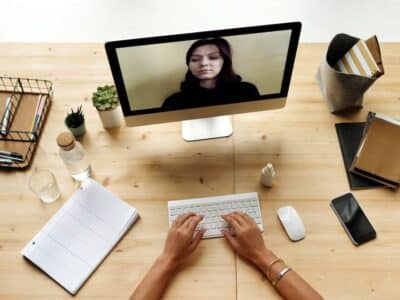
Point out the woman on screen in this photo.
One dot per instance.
(210, 78)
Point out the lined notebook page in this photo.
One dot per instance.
(78, 237)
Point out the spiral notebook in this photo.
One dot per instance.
(80, 235)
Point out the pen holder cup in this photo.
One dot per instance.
(343, 91)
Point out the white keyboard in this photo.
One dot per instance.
(213, 207)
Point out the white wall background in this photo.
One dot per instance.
(102, 20)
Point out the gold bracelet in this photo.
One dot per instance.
(280, 275)
(269, 268)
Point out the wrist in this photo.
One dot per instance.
(166, 263)
(264, 260)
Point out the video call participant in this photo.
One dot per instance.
(247, 242)
(210, 78)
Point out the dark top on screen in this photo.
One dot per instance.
(222, 94)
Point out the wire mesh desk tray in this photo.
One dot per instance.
(24, 105)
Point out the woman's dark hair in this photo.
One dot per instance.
(226, 75)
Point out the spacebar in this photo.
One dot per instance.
(212, 233)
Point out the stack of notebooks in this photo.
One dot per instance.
(80, 235)
(360, 61)
(371, 151)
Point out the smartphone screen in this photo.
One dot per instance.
(353, 219)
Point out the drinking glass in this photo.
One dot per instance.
(44, 185)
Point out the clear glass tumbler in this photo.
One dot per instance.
(44, 185)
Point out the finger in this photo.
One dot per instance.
(231, 240)
(239, 217)
(181, 218)
(231, 219)
(242, 214)
(192, 222)
(246, 218)
(196, 240)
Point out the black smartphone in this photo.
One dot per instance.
(353, 219)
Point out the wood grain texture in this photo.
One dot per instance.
(147, 166)
(301, 143)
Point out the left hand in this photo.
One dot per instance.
(180, 242)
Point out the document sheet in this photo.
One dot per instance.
(80, 235)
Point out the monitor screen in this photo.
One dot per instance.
(204, 69)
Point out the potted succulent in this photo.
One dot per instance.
(105, 100)
(75, 122)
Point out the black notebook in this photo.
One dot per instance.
(349, 135)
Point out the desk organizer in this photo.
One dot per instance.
(340, 90)
(19, 134)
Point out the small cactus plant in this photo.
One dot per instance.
(74, 119)
(105, 98)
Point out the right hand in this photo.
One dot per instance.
(248, 241)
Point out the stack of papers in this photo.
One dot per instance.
(80, 235)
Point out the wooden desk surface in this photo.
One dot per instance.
(147, 166)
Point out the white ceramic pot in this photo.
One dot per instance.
(110, 118)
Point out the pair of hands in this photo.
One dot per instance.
(247, 242)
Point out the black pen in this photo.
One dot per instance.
(5, 161)
(14, 158)
(11, 154)
(4, 123)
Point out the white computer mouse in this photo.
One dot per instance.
(292, 223)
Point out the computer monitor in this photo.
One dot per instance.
(202, 77)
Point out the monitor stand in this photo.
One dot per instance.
(206, 128)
